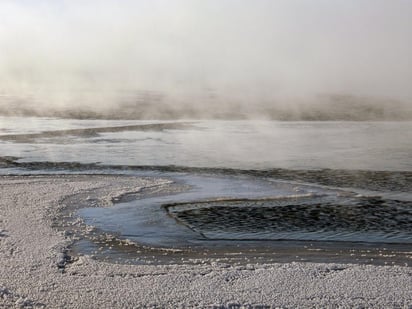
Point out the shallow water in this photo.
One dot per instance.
(237, 183)
(213, 208)
(225, 144)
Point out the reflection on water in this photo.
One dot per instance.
(226, 144)
(239, 180)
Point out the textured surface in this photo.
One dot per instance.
(31, 252)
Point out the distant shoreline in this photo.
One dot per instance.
(158, 107)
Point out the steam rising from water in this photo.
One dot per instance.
(195, 57)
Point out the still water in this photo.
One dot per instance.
(227, 144)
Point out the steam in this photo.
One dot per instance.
(203, 55)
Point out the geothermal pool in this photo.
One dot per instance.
(252, 188)
(212, 209)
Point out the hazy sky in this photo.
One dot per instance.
(262, 47)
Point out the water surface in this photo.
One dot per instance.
(254, 184)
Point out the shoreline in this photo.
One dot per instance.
(33, 253)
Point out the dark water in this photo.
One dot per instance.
(216, 207)
(362, 219)
(246, 214)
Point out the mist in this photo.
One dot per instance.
(284, 59)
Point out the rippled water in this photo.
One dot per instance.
(213, 208)
(237, 180)
(354, 219)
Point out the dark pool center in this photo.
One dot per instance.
(220, 213)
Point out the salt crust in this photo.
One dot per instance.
(31, 250)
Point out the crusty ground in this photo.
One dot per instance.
(30, 251)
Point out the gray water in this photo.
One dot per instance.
(227, 144)
(236, 181)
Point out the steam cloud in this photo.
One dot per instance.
(219, 58)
